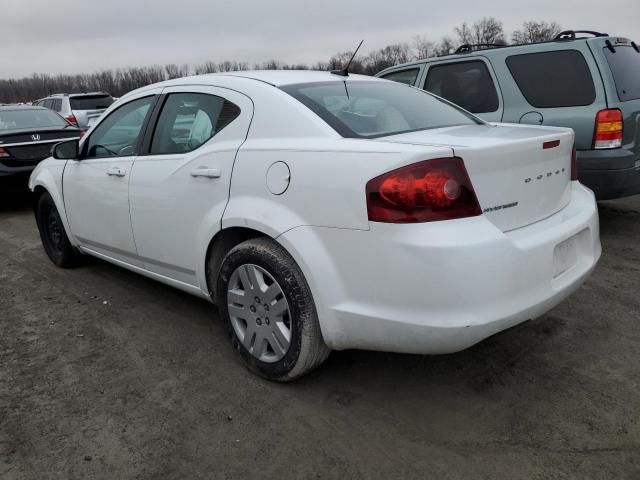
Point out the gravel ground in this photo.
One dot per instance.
(106, 374)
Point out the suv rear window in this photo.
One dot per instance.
(467, 84)
(364, 109)
(625, 67)
(90, 102)
(553, 79)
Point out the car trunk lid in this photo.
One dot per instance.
(520, 174)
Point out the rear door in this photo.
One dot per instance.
(555, 84)
(620, 66)
(469, 83)
(180, 185)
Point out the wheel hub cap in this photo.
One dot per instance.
(259, 313)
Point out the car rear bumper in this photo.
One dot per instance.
(441, 287)
(610, 173)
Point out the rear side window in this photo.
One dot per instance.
(467, 84)
(57, 104)
(188, 120)
(625, 67)
(90, 102)
(553, 79)
(404, 76)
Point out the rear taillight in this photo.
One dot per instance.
(609, 128)
(427, 191)
(71, 119)
(3, 153)
(574, 164)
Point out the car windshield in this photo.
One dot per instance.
(624, 62)
(24, 119)
(90, 102)
(375, 109)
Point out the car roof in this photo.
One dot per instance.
(289, 77)
(488, 51)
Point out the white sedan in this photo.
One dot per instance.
(321, 212)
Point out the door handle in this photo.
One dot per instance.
(116, 172)
(206, 172)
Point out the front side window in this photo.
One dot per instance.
(404, 76)
(188, 120)
(553, 79)
(468, 84)
(364, 109)
(624, 63)
(119, 133)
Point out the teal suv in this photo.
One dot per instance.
(584, 80)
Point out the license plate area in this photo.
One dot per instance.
(565, 256)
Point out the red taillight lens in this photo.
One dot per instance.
(574, 163)
(609, 129)
(3, 153)
(428, 191)
(71, 119)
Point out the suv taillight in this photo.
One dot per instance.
(427, 191)
(3, 153)
(574, 163)
(72, 119)
(608, 132)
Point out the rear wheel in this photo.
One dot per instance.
(267, 303)
(54, 238)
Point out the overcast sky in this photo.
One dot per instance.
(74, 36)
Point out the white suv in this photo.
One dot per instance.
(80, 109)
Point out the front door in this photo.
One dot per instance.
(96, 187)
(180, 185)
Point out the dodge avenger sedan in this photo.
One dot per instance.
(322, 211)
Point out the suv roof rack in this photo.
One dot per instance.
(470, 47)
(571, 34)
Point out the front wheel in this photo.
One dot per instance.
(54, 238)
(267, 303)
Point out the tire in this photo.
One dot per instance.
(262, 293)
(53, 235)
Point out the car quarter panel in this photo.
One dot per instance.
(455, 282)
(326, 185)
(48, 175)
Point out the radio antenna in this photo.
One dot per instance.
(345, 71)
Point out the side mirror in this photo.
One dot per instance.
(67, 150)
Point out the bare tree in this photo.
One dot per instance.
(464, 34)
(422, 48)
(488, 30)
(532, 32)
(445, 47)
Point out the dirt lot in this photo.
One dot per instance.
(105, 374)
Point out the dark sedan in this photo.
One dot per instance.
(27, 134)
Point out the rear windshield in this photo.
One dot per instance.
(376, 109)
(625, 67)
(90, 102)
(25, 119)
